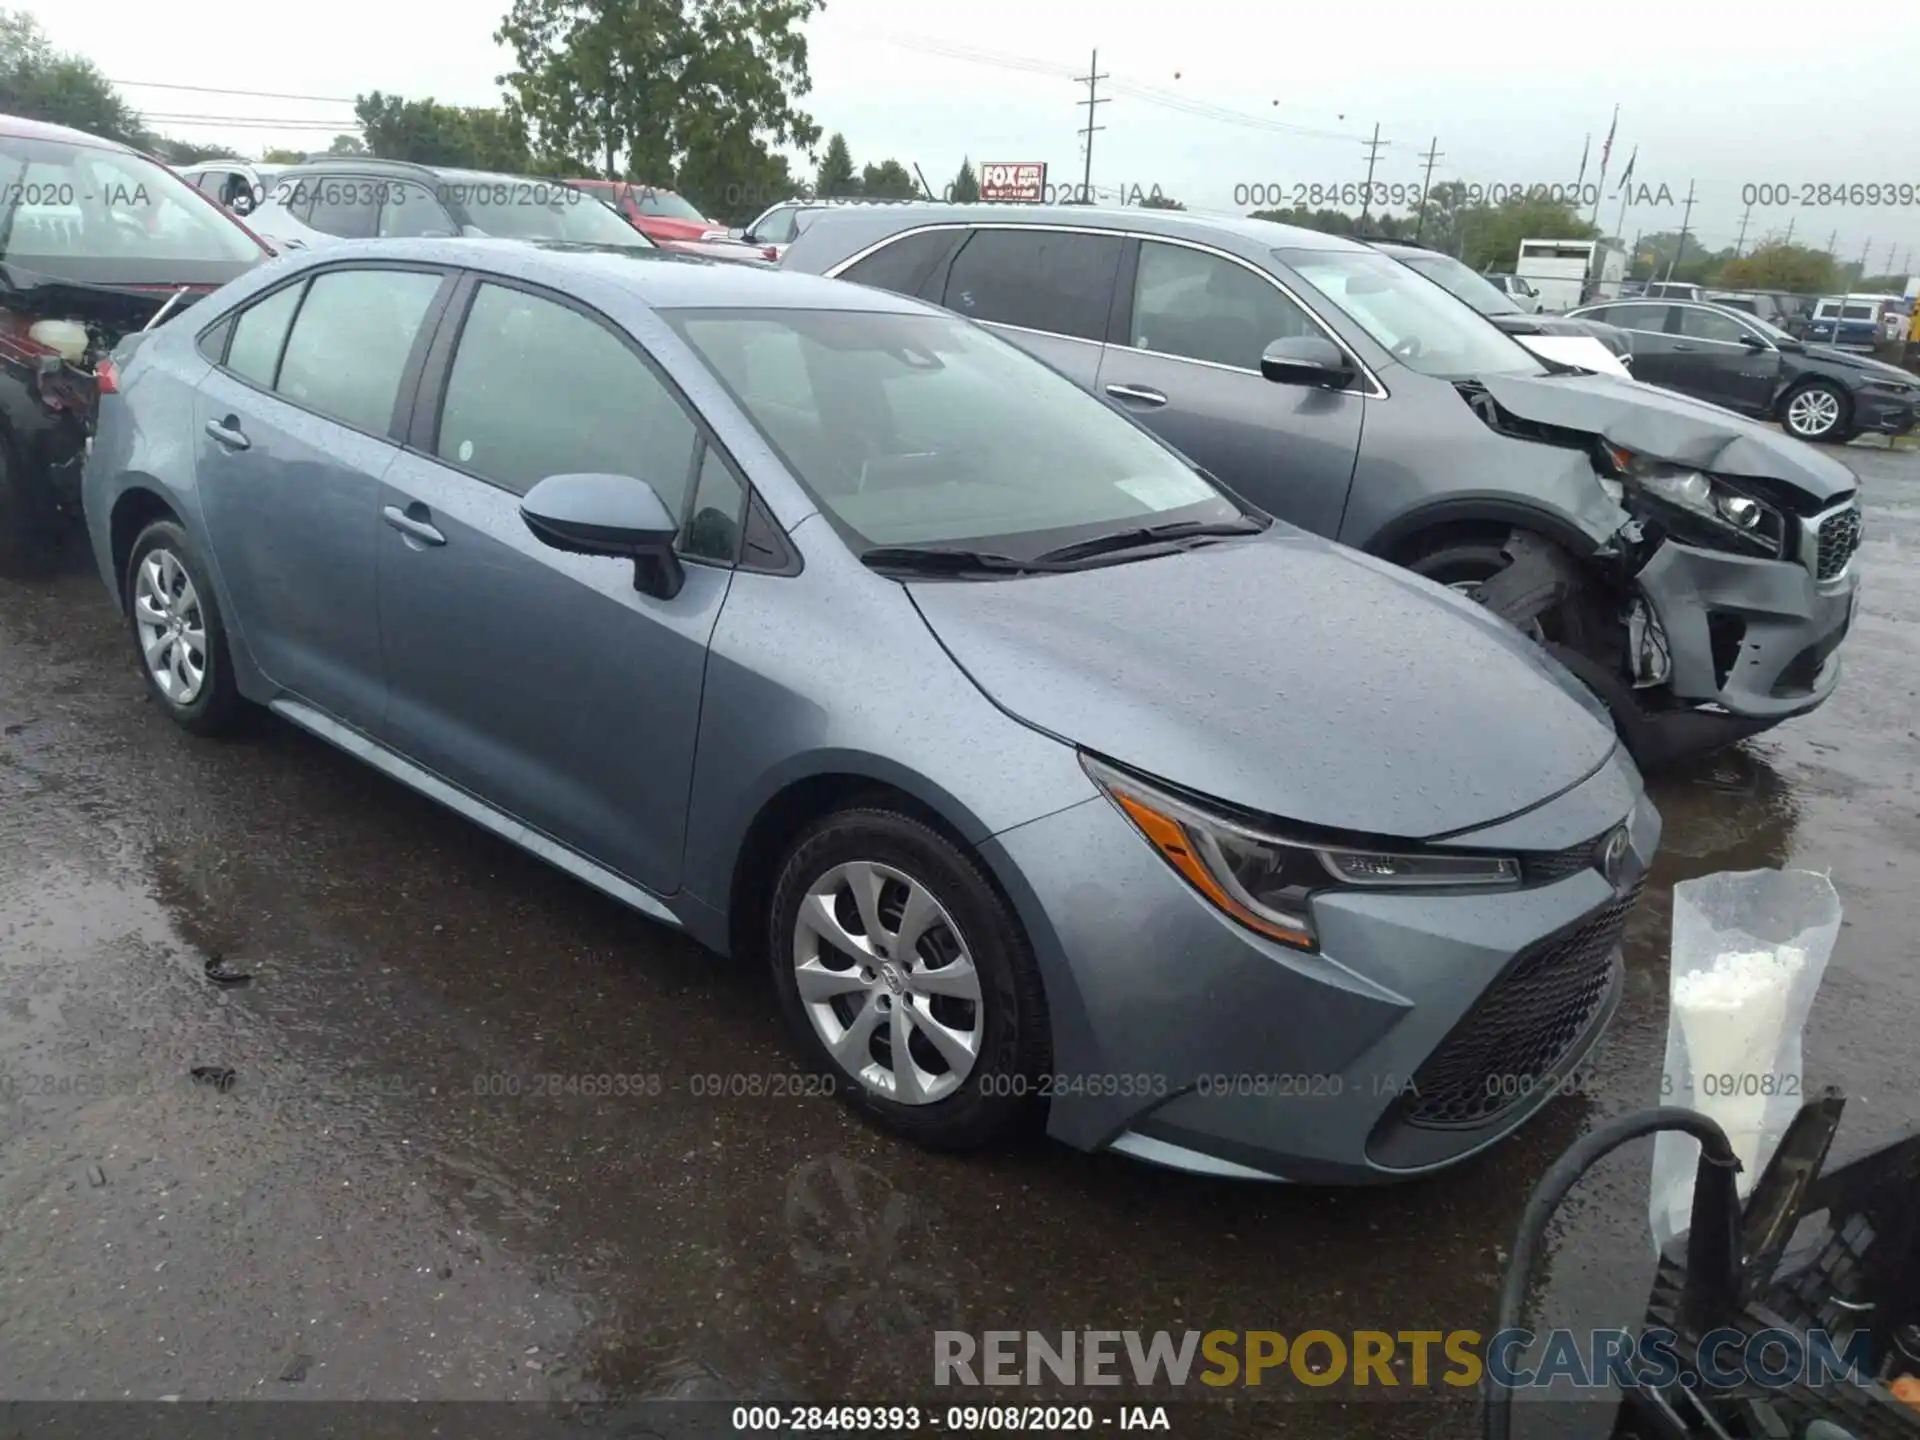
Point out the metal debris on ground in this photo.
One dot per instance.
(218, 972)
(218, 1076)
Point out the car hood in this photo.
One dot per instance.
(1848, 360)
(1668, 426)
(1285, 675)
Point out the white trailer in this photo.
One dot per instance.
(1570, 272)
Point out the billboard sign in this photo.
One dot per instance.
(1022, 180)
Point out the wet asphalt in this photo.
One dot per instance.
(381, 1206)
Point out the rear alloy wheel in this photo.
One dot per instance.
(906, 977)
(177, 631)
(1817, 412)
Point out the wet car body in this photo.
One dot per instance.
(65, 303)
(1010, 705)
(1457, 473)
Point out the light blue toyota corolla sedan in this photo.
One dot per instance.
(1048, 778)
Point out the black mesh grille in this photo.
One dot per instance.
(1544, 868)
(1839, 538)
(1523, 1026)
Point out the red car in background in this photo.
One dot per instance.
(667, 219)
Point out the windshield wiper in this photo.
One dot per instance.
(1150, 535)
(933, 560)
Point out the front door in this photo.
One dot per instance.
(1197, 324)
(292, 436)
(1728, 370)
(543, 682)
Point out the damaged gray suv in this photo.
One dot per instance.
(1693, 567)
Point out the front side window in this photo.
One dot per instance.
(350, 343)
(1206, 307)
(712, 531)
(918, 429)
(1651, 319)
(1057, 281)
(776, 226)
(1701, 324)
(410, 209)
(542, 210)
(1420, 325)
(345, 207)
(538, 388)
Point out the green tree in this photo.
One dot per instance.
(38, 82)
(1157, 201)
(638, 84)
(835, 178)
(966, 185)
(1490, 235)
(429, 133)
(889, 180)
(282, 157)
(1331, 222)
(1780, 266)
(182, 152)
(733, 177)
(347, 145)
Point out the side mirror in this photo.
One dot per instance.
(1753, 341)
(1307, 360)
(608, 515)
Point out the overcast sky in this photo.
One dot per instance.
(1223, 97)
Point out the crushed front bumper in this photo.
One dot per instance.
(1883, 414)
(1759, 638)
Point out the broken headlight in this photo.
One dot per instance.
(1265, 881)
(1702, 509)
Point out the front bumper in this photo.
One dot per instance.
(1760, 638)
(1883, 414)
(1184, 1039)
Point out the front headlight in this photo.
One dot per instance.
(1265, 881)
(1726, 510)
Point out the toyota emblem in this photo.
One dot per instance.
(1613, 856)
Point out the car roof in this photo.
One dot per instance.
(660, 279)
(444, 172)
(18, 127)
(1173, 223)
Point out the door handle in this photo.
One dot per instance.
(1688, 348)
(407, 525)
(1139, 393)
(228, 433)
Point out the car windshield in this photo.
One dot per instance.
(1471, 286)
(926, 430)
(665, 203)
(91, 215)
(543, 210)
(1424, 326)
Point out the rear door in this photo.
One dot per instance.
(544, 682)
(294, 429)
(1728, 372)
(1195, 323)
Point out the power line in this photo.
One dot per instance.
(214, 90)
(1092, 79)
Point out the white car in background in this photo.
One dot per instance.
(1517, 289)
(239, 185)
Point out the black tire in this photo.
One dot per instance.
(1001, 1091)
(26, 519)
(1839, 432)
(217, 705)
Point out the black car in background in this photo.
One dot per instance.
(1491, 301)
(1740, 361)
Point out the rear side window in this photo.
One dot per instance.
(539, 389)
(349, 209)
(1636, 317)
(350, 343)
(1056, 281)
(258, 334)
(902, 266)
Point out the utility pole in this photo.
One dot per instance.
(1890, 249)
(1432, 155)
(1686, 219)
(1833, 240)
(1633, 257)
(1789, 239)
(1740, 243)
(1366, 197)
(1091, 80)
(1863, 260)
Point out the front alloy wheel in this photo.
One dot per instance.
(906, 977)
(1814, 413)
